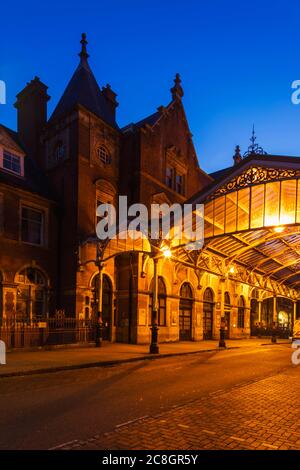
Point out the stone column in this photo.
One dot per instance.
(294, 311)
(259, 310)
(275, 309)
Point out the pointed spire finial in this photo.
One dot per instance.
(177, 90)
(83, 53)
(254, 148)
(237, 157)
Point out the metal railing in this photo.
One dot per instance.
(50, 332)
(278, 331)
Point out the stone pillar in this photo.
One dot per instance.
(259, 310)
(275, 309)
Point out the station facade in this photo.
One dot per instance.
(55, 172)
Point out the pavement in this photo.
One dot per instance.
(179, 400)
(263, 415)
(44, 361)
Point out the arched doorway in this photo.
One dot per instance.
(241, 313)
(106, 304)
(227, 309)
(267, 315)
(208, 312)
(285, 308)
(185, 312)
(254, 320)
(31, 295)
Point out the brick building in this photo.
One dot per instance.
(54, 173)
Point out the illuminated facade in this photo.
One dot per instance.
(55, 172)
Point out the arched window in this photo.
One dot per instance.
(255, 294)
(208, 295)
(31, 295)
(107, 293)
(186, 291)
(208, 310)
(162, 302)
(103, 155)
(241, 312)
(185, 312)
(227, 299)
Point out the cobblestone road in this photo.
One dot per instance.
(263, 414)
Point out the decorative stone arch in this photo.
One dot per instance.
(205, 290)
(187, 281)
(107, 302)
(96, 273)
(32, 303)
(105, 185)
(254, 293)
(37, 267)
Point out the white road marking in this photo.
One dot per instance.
(64, 444)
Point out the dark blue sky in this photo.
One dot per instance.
(237, 60)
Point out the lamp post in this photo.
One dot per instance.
(167, 253)
(98, 261)
(99, 321)
(154, 348)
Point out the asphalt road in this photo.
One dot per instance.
(45, 411)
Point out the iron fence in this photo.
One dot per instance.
(279, 331)
(51, 332)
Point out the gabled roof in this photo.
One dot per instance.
(10, 139)
(221, 177)
(84, 90)
(150, 120)
(34, 179)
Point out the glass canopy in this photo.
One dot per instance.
(270, 204)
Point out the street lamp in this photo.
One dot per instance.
(99, 320)
(154, 348)
(167, 253)
(98, 261)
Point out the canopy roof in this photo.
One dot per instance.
(252, 217)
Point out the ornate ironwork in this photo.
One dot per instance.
(254, 148)
(255, 175)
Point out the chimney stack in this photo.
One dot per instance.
(110, 97)
(32, 115)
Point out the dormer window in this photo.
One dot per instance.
(103, 155)
(12, 163)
